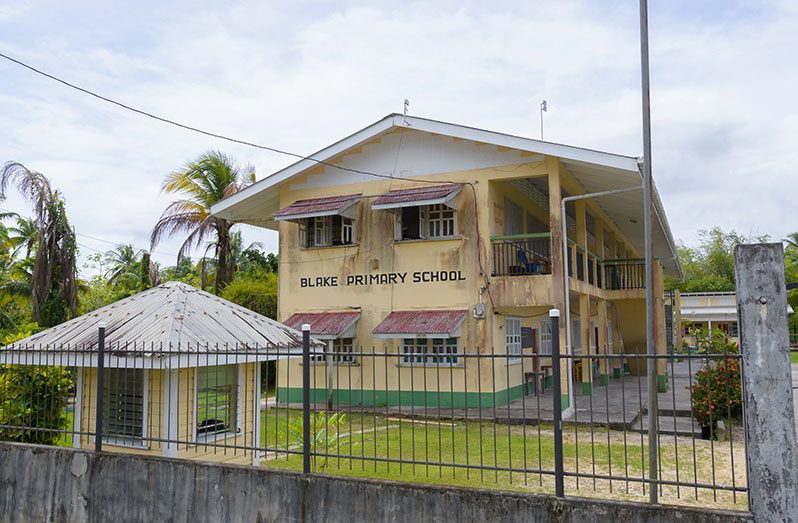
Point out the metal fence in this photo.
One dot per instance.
(427, 411)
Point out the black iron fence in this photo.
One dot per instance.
(521, 254)
(413, 410)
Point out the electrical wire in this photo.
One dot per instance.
(276, 150)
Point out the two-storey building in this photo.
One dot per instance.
(431, 240)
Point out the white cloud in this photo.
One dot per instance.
(302, 77)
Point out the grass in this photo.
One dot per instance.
(478, 447)
(794, 356)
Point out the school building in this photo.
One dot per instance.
(430, 240)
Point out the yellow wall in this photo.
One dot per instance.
(156, 412)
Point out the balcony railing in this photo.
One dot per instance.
(624, 274)
(520, 254)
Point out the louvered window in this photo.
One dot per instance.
(123, 403)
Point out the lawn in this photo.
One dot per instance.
(794, 356)
(423, 451)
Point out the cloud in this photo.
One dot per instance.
(300, 77)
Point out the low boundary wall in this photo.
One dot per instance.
(39, 483)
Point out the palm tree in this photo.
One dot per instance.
(201, 183)
(25, 235)
(792, 240)
(123, 264)
(54, 292)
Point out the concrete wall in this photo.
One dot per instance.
(56, 484)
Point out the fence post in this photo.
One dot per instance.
(98, 414)
(559, 484)
(306, 398)
(769, 417)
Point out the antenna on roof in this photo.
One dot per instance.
(543, 109)
(407, 106)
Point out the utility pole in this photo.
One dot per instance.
(651, 363)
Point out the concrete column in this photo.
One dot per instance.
(770, 419)
(601, 342)
(660, 339)
(556, 227)
(677, 320)
(584, 327)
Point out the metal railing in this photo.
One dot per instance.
(624, 274)
(459, 417)
(521, 254)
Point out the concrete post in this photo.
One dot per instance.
(770, 425)
(584, 335)
(556, 227)
(660, 339)
(601, 342)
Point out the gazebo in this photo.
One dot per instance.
(181, 372)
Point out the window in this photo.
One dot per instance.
(512, 339)
(734, 332)
(427, 221)
(324, 231)
(432, 351)
(344, 347)
(123, 404)
(545, 337)
(217, 399)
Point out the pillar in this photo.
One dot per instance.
(660, 339)
(556, 228)
(601, 342)
(584, 327)
(771, 447)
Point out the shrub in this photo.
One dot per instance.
(717, 390)
(32, 399)
(257, 294)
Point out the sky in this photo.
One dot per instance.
(301, 75)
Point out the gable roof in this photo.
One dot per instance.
(595, 170)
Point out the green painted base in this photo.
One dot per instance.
(548, 382)
(625, 368)
(381, 398)
(587, 388)
(662, 383)
(616, 373)
(603, 380)
(564, 401)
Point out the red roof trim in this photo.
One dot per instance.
(417, 194)
(421, 322)
(324, 323)
(315, 205)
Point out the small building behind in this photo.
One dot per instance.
(182, 372)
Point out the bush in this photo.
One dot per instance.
(717, 389)
(31, 399)
(258, 294)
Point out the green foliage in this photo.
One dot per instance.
(710, 266)
(257, 292)
(716, 391)
(33, 403)
(53, 310)
(326, 431)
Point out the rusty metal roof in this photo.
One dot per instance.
(427, 195)
(317, 207)
(443, 323)
(324, 324)
(173, 317)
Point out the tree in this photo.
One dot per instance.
(200, 184)
(792, 240)
(26, 235)
(54, 293)
(710, 266)
(256, 292)
(123, 264)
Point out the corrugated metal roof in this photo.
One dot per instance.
(417, 194)
(324, 323)
(172, 317)
(429, 322)
(318, 206)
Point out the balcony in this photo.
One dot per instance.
(622, 275)
(521, 254)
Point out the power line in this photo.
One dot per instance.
(206, 133)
